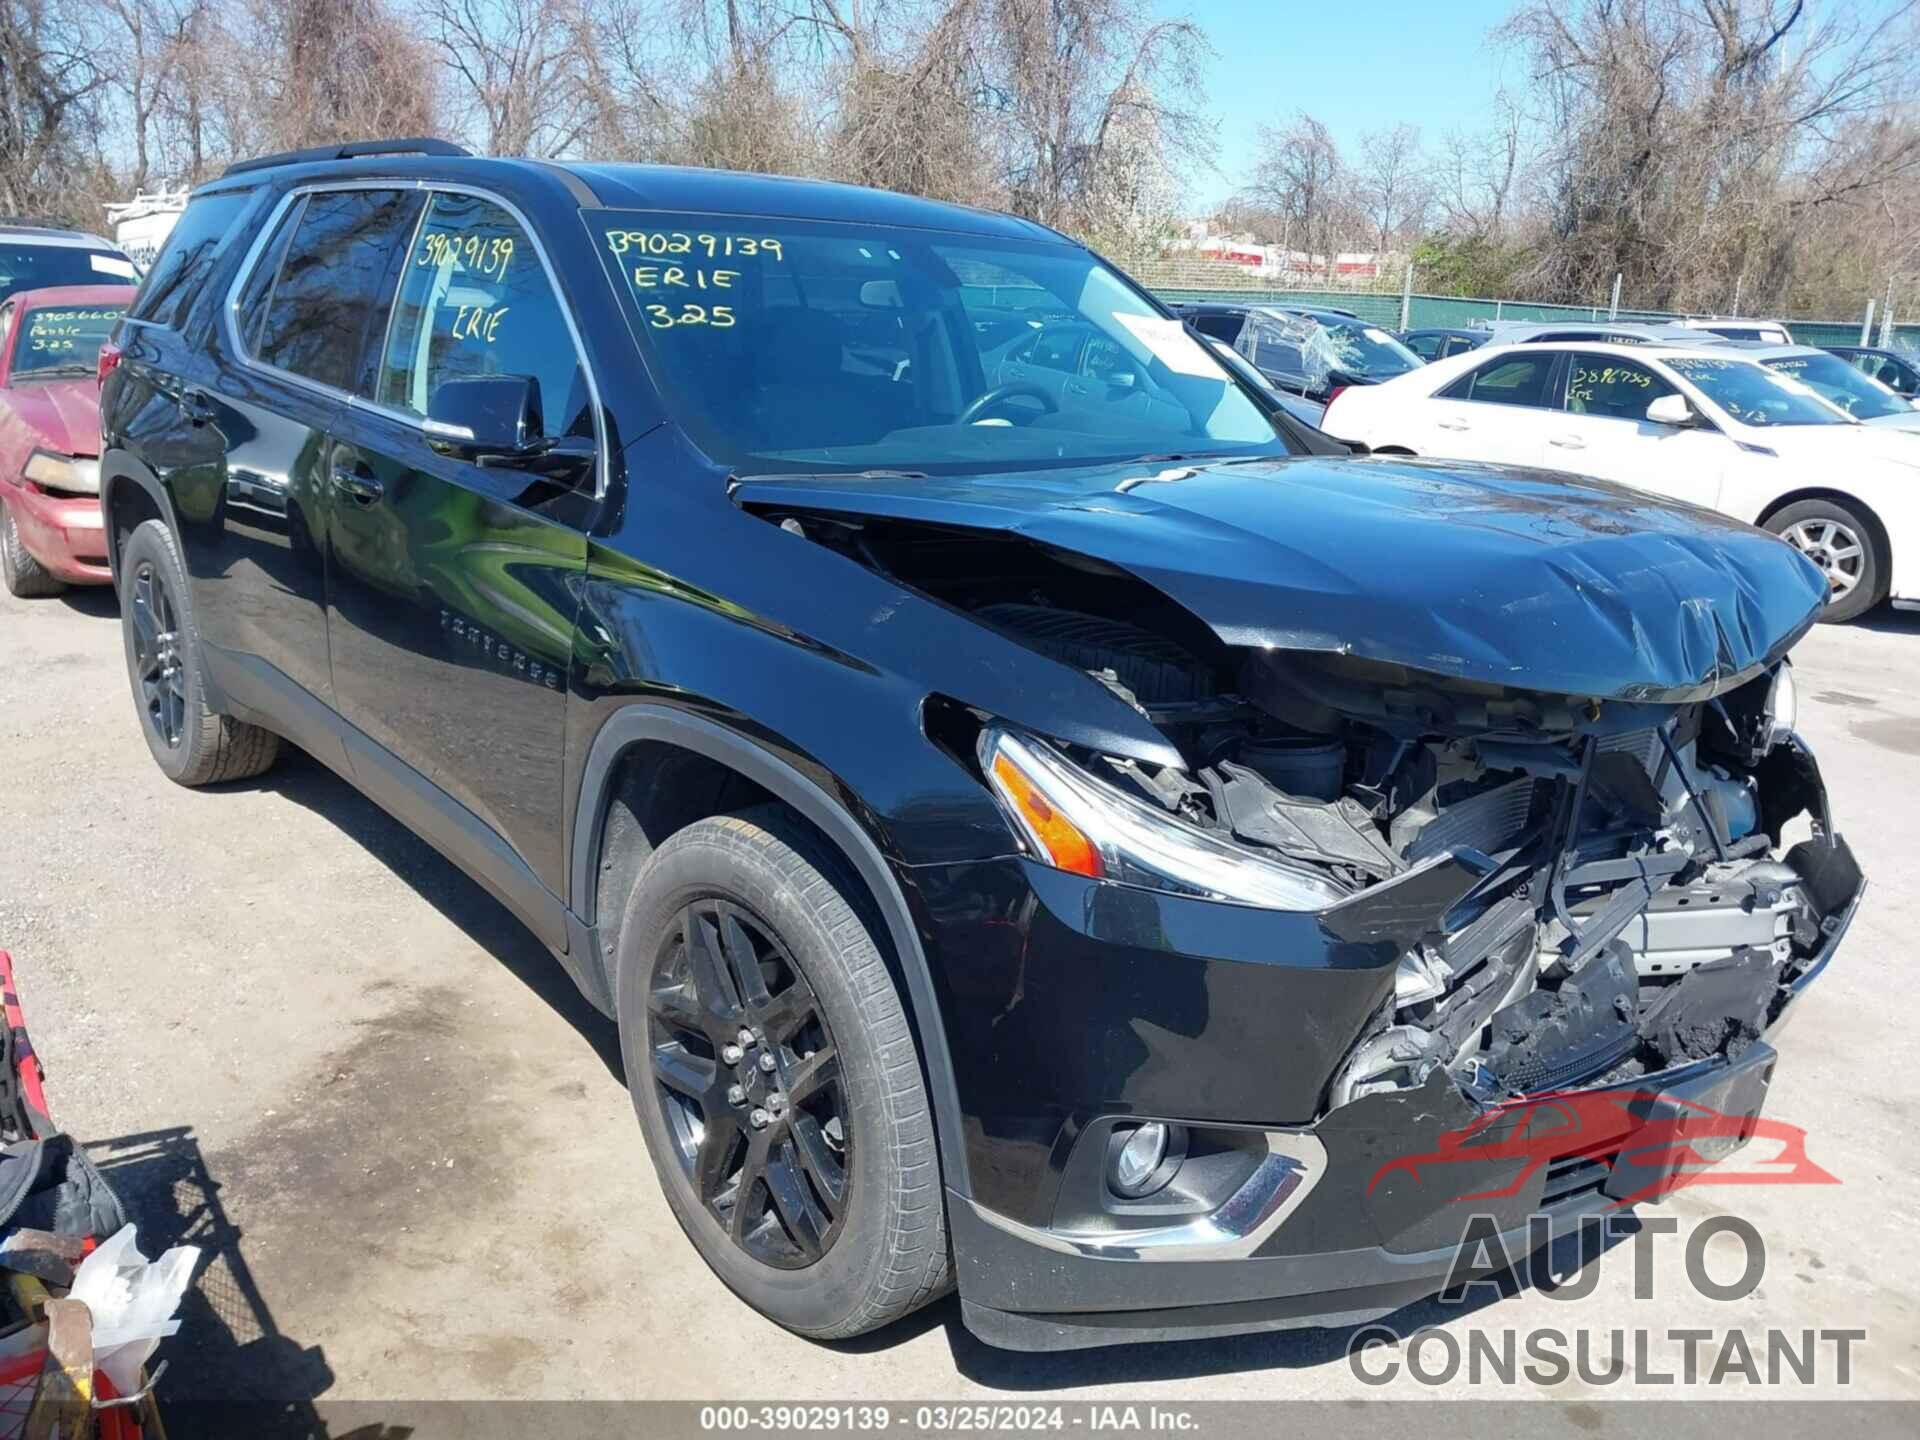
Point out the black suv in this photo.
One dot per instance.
(1065, 840)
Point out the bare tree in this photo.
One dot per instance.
(1392, 182)
(50, 87)
(1065, 72)
(1300, 178)
(1691, 140)
(519, 71)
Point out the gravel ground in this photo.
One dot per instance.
(300, 1039)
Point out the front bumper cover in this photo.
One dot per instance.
(1356, 1241)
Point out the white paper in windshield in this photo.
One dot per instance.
(1169, 343)
(112, 265)
(1378, 336)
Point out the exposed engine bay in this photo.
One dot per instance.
(1580, 889)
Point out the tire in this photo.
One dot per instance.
(762, 877)
(1844, 541)
(191, 743)
(26, 577)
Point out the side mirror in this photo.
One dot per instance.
(1123, 379)
(496, 421)
(1673, 410)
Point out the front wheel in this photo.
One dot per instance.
(26, 578)
(1847, 548)
(776, 1080)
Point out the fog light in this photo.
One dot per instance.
(1142, 1158)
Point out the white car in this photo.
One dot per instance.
(1838, 383)
(1705, 425)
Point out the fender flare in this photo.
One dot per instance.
(117, 467)
(640, 722)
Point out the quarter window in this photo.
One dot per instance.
(332, 282)
(1513, 380)
(475, 300)
(1617, 389)
(181, 271)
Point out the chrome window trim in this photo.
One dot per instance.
(230, 309)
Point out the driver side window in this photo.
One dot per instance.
(475, 300)
(1616, 389)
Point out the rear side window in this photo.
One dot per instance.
(334, 279)
(181, 269)
(475, 300)
(1512, 380)
(1427, 347)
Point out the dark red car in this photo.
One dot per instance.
(50, 531)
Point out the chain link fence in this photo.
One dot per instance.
(1178, 281)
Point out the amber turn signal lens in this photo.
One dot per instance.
(1066, 846)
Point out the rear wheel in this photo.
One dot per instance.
(776, 1080)
(1845, 545)
(25, 576)
(193, 744)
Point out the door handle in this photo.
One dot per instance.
(354, 480)
(1568, 442)
(195, 405)
(1453, 424)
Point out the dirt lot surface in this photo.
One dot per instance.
(298, 1037)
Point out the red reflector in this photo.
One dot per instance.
(1336, 392)
(109, 358)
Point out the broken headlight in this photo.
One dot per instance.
(1076, 822)
(1782, 711)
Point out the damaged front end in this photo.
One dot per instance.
(1580, 891)
(1416, 847)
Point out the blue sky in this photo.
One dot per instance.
(1357, 66)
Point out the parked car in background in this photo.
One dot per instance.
(1836, 382)
(1315, 353)
(1612, 332)
(1898, 370)
(38, 257)
(1705, 424)
(1032, 841)
(50, 531)
(1771, 332)
(1439, 341)
(1308, 412)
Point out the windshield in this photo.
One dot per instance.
(1755, 395)
(40, 267)
(1367, 350)
(1838, 383)
(788, 346)
(61, 339)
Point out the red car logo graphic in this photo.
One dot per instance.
(1653, 1142)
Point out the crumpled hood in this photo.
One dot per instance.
(1513, 577)
(64, 413)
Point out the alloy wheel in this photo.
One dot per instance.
(156, 655)
(1833, 546)
(749, 1081)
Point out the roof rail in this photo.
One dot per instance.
(420, 145)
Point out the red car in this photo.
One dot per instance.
(50, 530)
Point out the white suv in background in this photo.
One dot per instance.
(1705, 425)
